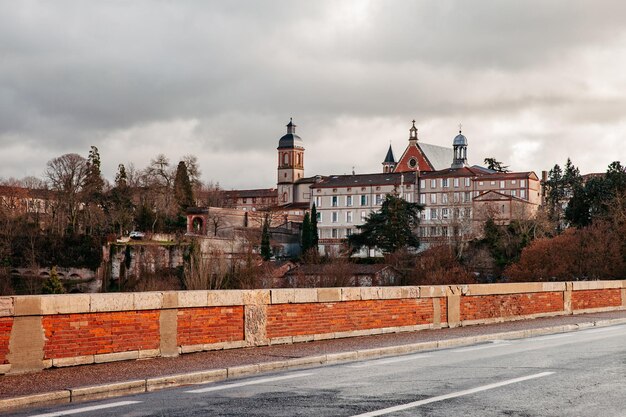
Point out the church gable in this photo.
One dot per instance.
(411, 159)
(493, 196)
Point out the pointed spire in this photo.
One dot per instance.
(390, 158)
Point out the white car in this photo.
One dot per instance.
(136, 235)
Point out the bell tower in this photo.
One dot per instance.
(290, 164)
(459, 145)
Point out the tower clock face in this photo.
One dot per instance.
(412, 163)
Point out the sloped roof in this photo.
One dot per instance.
(389, 157)
(439, 157)
(361, 180)
(261, 192)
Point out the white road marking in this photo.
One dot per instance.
(253, 382)
(469, 349)
(387, 361)
(452, 395)
(86, 409)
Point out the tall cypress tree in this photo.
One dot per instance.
(314, 233)
(266, 249)
(307, 236)
(183, 191)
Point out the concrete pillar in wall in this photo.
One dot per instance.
(454, 305)
(27, 336)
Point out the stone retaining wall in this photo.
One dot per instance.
(38, 332)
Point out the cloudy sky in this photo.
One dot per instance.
(532, 82)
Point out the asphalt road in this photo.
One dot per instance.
(572, 374)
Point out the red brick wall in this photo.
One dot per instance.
(69, 335)
(203, 325)
(493, 306)
(596, 298)
(6, 323)
(317, 318)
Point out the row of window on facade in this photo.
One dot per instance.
(426, 231)
(430, 214)
(467, 182)
(425, 198)
(350, 200)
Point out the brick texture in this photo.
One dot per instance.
(6, 324)
(318, 318)
(596, 298)
(495, 306)
(69, 335)
(205, 325)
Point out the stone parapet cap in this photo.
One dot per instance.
(597, 285)
(36, 305)
(512, 288)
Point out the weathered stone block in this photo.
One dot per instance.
(117, 356)
(65, 304)
(350, 294)
(27, 305)
(73, 361)
(391, 293)
(193, 299)
(432, 291)
(283, 296)
(371, 293)
(325, 295)
(410, 292)
(170, 299)
(256, 324)
(225, 298)
(168, 327)
(6, 306)
(148, 300)
(112, 302)
(26, 345)
(256, 297)
(305, 295)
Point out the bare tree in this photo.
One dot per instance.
(205, 271)
(66, 175)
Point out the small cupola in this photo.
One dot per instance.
(459, 146)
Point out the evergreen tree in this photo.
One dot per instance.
(307, 237)
(561, 186)
(53, 284)
(495, 165)
(390, 229)
(183, 192)
(266, 249)
(121, 178)
(94, 183)
(315, 237)
(120, 205)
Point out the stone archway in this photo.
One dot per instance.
(197, 225)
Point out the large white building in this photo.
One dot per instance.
(457, 197)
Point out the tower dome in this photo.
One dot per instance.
(460, 140)
(290, 140)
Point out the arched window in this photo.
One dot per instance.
(285, 158)
(197, 224)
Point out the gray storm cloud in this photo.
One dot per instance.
(533, 82)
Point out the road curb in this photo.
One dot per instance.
(214, 375)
